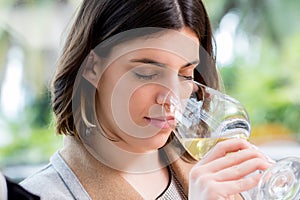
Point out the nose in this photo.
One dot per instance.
(167, 99)
(163, 100)
(171, 91)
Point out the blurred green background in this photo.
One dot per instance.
(257, 47)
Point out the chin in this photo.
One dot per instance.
(157, 141)
(151, 143)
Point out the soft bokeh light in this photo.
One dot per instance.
(225, 35)
(12, 92)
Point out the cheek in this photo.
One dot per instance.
(140, 103)
(103, 105)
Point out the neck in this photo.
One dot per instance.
(97, 149)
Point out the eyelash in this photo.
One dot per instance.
(186, 77)
(151, 77)
(146, 77)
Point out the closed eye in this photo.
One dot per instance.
(146, 77)
(187, 72)
(186, 77)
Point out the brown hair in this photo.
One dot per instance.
(97, 21)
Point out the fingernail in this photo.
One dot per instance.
(270, 160)
(254, 147)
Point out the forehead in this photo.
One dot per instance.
(183, 43)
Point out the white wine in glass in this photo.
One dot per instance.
(204, 116)
(198, 147)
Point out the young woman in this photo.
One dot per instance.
(121, 64)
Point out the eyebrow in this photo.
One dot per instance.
(159, 64)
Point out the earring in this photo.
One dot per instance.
(88, 131)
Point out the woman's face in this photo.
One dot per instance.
(140, 77)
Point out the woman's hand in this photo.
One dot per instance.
(225, 171)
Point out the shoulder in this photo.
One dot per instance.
(55, 181)
(47, 184)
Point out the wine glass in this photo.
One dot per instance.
(204, 116)
(281, 181)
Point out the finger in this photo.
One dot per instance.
(237, 186)
(267, 157)
(240, 171)
(223, 148)
(224, 189)
(235, 158)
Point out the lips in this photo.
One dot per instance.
(161, 122)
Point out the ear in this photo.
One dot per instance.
(91, 70)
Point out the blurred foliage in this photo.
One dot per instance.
(265, 79)
(33, 146)
(264, 76)
(20, 3)
(32, 135)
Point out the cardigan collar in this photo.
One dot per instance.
(107, 181)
